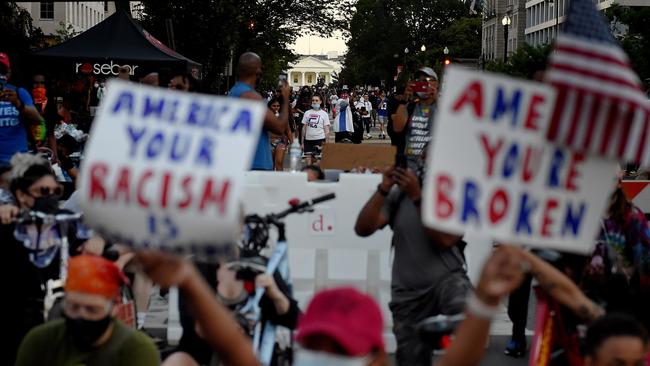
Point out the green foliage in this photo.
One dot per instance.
(19, 36)
(209, 31)
(524, 63)
(636, 41)
(380, 30)
(65, 32)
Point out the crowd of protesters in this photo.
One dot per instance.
(607, 291)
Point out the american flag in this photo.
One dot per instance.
(601, 108)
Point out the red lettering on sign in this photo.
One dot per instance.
(444, 204)
(573, 173)
(498, 206)
(490, 151)
(533, 115)
(217, 198)
(472, 95)
(547, 220)
(139, 191)
(97, 175)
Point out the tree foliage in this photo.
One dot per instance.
(636, 40)
(380, 30)
(210, 31)
(524, 63)
(19, 36)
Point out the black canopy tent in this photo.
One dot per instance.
(116, 41)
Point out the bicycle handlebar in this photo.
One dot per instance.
(302, 206)
(45, 218)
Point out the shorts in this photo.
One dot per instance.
(278, 143)
(383, 120)
(313, 146)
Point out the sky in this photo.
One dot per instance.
(319, 45)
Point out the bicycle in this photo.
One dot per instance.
(41, 254)
(253, 263)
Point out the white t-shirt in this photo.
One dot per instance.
(316, 120)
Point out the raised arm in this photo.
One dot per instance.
(219, 328)
(371, 218)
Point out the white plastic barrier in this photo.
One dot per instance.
(324, 250)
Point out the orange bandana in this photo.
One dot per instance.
(94, 275)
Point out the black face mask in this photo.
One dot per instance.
(84, 332)
(48, 204)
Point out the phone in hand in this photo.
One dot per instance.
(282, 80)
(400, 161)
(420, 86)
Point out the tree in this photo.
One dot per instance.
(380, 30)
(524, 63)
(65, 32)
(635, 38)
(19, 36)
(210, 31)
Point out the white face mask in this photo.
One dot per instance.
(305, 357)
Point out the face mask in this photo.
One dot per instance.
(315, 106)
(304, 357)
(422, 95)
(86, 332)
(48, 204)
(277, 114)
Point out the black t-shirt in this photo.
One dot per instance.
(398, 139)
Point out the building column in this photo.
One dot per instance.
(302, 79)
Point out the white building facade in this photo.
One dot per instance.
(544, 17)
(51, 16)
(494, 32)
(308, 69)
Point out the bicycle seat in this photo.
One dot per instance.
(248, 268)
(432, 329)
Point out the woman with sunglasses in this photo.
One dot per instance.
(34, 187)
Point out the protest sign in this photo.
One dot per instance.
(165, 169)
(490, 169)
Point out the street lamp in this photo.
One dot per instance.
(406, 50)
(506, 23)
(445, 51)
(423, 48)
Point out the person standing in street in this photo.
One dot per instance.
(382, 114)
(343, 119)
(365, 108)
(415, 115)
(316, 129)
(17, 115)
(249, 71)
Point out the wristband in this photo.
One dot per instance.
(381, 191)
(480, 309)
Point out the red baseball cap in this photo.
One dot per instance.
(4, 59)
(350, 317)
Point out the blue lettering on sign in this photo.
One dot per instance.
(134, 136)
(154, 107)
(155, 145)
(510, 163)
(526, 208)
(179, 148)
(243, 121)
(556, 165)
(501, 105)
(469, 202)
(124, 101)
(573, 219)
(205, 152)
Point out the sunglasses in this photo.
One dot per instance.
(49, 191)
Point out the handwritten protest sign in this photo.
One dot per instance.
(166, 169)
(490, 169)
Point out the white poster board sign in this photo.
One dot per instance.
(165, 169)
(491, 171)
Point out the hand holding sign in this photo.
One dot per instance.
(165, 169)
(490, 168)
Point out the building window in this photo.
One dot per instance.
(295, 80)
(105, 5)
(309, 79)
(47, 9)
